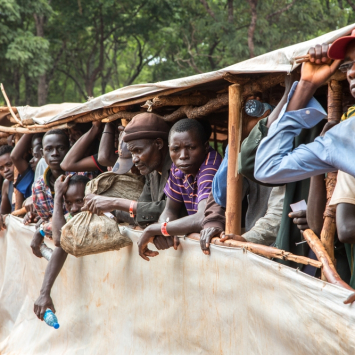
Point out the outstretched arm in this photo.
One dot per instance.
(55, 265)
(107, 155)
(77, 159)
(22, 146)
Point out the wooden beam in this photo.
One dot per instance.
(263, 250)
(184, 100)
(234, 180)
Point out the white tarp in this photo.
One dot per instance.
(280, 60)
(181, 302)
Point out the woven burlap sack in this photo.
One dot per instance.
(88, 233)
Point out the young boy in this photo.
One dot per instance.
(55, 147)
(190, 181)
(71, 191)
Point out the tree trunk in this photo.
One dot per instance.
(28, 91)
(42, 87)
(230, 11)
(251, 29)
(42, 90)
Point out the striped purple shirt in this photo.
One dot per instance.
(189, 190)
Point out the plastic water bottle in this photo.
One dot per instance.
(45, 251)
(51, 319)
(255, 108)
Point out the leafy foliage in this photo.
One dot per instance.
(69, 50)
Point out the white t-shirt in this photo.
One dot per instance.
(40, 168)
(344, 191)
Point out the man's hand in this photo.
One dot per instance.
(162, 243)
(31, 217)
(97, 124)
(236, 237)
(98, 204)
(300, 219)
(36, 242)
(146, 238)
(43, 302)
(205, 238)
(61, 185)
(320, 68)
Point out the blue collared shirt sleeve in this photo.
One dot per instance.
(219, 184)
(275, 160)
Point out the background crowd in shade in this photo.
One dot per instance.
(69, 50)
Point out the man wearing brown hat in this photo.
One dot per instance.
(147, 140)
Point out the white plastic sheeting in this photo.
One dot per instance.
(281, 60)
(181, 302)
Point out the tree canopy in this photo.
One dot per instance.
(68, 51)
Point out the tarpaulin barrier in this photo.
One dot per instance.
(181, 302)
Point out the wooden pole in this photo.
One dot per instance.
(9, 105)
(329, 227)
(234, 180)
(263, 250)
(328, 268)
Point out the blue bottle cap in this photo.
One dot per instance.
(55, 325)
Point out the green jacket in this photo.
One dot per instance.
(288, 234)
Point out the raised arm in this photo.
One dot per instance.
(107, 155)
(22, 146)
(77, 159)
(275, 161)
(58, 220)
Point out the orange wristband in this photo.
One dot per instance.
(131, 213)
(164, 232)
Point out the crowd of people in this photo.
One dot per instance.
(283, 160)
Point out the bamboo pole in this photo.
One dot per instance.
(9, 105)
(328, 268)
(234, 180)
(263, 250)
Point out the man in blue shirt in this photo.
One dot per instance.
(276, 161)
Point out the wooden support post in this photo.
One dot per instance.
(329, 227)
(234, 180)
